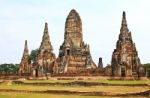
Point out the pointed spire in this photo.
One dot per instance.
(46, 28)
(125, 35)
(46, 44)
(26, 52)
(124, 21)
(24, 64)
(26, 45)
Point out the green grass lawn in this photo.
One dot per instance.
(99, 81)
(113, 89)
(35, 95)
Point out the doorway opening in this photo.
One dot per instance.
(123, 72)
(68, 52)
(36, 72)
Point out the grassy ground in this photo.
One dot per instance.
(100, 81)
(34, 95)
(113, 89)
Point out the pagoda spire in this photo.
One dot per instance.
(46, 44)
(124, 22)
(46, 28)
(26, 51)
(26, 45)
(124, 31)
(24, 64)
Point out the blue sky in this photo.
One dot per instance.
(22, 20)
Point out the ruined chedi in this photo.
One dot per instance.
(25, 66)
(125, 61)
(45, 59)
(74, 54)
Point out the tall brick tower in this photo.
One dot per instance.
(74, 54)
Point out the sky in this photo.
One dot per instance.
(22, 20)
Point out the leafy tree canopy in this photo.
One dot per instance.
(33, 55)
(9, 68)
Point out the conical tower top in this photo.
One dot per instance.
(46, 28)
(124, 21)
(46, 44)
(26, 51)
(124, 31)
(26, 44)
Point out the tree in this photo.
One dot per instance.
(33, 55)
(9, 68)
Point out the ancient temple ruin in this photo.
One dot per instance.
(125, 61)
(45, 59)
(74, 54)
(25, 66)
(75, 59)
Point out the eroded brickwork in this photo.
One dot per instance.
(125, 61)
(45, 59)
(74, 54)
(25, 66)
